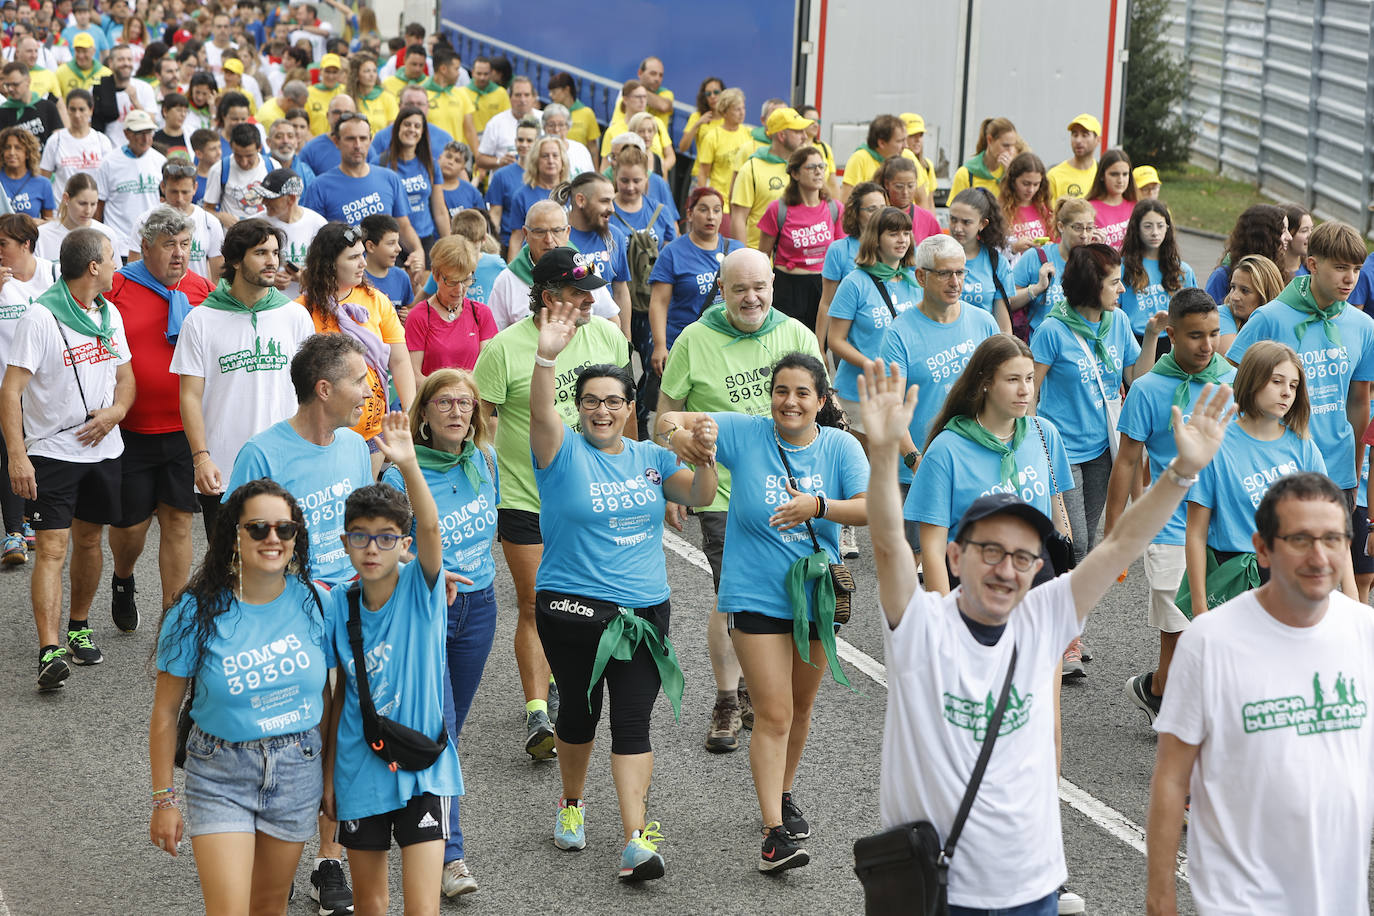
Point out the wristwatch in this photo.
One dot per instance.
(911, 457)
(1178, 478)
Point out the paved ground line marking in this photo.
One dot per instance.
(1100, 813)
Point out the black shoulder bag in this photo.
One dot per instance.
(1058, 545)
(904, 870)
(840, 576)
(402, 747)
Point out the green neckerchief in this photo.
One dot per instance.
(11, 103)
(872, 152)
(885, 272)
(523, 266)
(760, 135)
(717, 320)
(432, 459)
(1297, 295)
(430, 86)
(1225, 581)
(766, 154)
(806, 569)
(1169, 368)
(973, 431)
(624, 634)
(375, 94)
(1079, 325)
(575, 106)
(978, 169)
(220, 298)
(492, 86)
(64, 307)
(84, 75)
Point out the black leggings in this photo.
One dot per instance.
(570, 647)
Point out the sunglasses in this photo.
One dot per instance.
(352, 235)
(258, 530)
(178, 170)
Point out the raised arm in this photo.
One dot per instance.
(887, 404)
(1149, 347)
(546, 423)
(397, 446)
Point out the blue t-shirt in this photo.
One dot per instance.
(29, 194)
(337, 196)
(489, 267)
(657, 193)
(320, 477)
(1069, 395)
(320, 154)
(760, 555)
(503, 183)
(691, 271)
(264, 670)
(839, 258)
(979, 290)
(1138, 306)
(395, 286)
(1027, 273)
(932, 355)
(102, 41)
(955, 472)
(610, 507)
(611, 264)
(1239, 476)
(200, 189)
(302, 170)
(1219, 283)
(467, 519)
(1363, 293)
(1228, 320)
(521, 199)
(403, 645)
(438, 139)
(464, 197)
(1145, 417)
(664, 229)
(419, 186)
(1330, 370)
(858, 301)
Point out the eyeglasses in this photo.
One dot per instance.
(546, 233)
(1332, 540)
(873, 209)
(461, 281)
(1083, 228)
(592, 402)
(257, 530)
(352, 235)
(814, 167)
(178, 170)
(948, 274)
(359, 540)
(444, 405)
(993, 554)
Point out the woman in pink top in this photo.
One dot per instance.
(1113, 196)
(902, 182)
(810, 222)
(448, 330)
(1025, 201)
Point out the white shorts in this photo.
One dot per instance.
(1165, 565)
(851, 414)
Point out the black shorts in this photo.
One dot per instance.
(424, 818)
(156, 469)
(88, 491)
(518, 526)
(764, 625)
(1362, 562)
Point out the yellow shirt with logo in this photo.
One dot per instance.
(269, 112)
(395, 83)
(963, 181)
(381, 111)
(317, 107)
(584, 128)
(758, 184)
(484, 106)
(448, 108)
(68, 79)
(862, 166)
(726, 151)
(44, 82)
(1067, 181)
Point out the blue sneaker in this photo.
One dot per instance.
(14, 552)
(568, 831)
(641, 860)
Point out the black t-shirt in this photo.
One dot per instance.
(40, 119)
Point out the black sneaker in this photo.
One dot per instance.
(329, 888)
(781, 852)
(1139, 693)
(53, 669)
(122, 606)
(792, 820)
(83, 649)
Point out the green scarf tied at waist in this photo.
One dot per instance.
(222, 300)
(977, 168)
(886, 272)
(432, 459)
(1076, 322)
(717, 320)
(1225, 581)
(523, 265)
(624, 634)
(1297, 295)
(806, 569)
(59, 300)
(973, 431)
(1168, 367)
(9, 104)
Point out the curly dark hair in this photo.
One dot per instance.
(1133, 250)
(830, 413)
(319, 280)
(212, 585)
(1258, 230)
(704, 103)
(994, 234)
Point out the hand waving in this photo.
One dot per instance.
(395, 443)
(558, 328)
(886, 404)
(1199, 439)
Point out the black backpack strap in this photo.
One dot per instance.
(979, 768)
(887, 296)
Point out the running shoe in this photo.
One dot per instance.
(554, 703)
(53, 669)
(30, 539)
(123, 608)
(457, 879)
(746, 707)
(793, 820)
(781, 852)
(1139, 693)
(1073, 662)
(329, 888)
(569, 831)
(1070, 904)
(641, 860)
(539, 742)
(725, 725)
(849, 543)
(14, 552)
(83, 649)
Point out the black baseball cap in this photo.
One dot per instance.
(565, 267)
(279, 182)
(991, 504)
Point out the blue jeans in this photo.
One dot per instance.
(471, 629)
(1046, 906)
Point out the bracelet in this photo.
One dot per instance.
(160, 803)
(820, 506)
(170, 790)
(1172, 473)
(546, 363)
(668, 436)
(204, 451)
(196, 464)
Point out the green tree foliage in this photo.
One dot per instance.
(1153, 131)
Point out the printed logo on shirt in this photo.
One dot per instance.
(748, 384)
(378, 680)
(324, 515)
(252, 669)
(1257, 484)
(417, 189)
(973, 292)
(706, 282)
(974, 715)
(256, 359)
(355, 210)
(457, 530)
(1337, 711)
(92, 352)
(16, 310)
(615, 495)
(949, 362)
(1028, 485)
(142, 184)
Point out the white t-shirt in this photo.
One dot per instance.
(298, 237)
(942, 686)
(51, 234)
(53, 404)
(509, 301)
(579, 158)
(316, 41)
(15, 298)
(147, 100)
(129, 187)
(247, 375)
(237, 201)
(498, 137)
(1281, 817)
(65, 155)
(207, 239)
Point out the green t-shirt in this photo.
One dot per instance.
(714, 373)
(503, 373)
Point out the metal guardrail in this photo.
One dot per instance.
(1282, 96)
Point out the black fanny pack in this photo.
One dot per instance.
(402, 747)
(574, 608)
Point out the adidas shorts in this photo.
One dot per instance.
(424, 818)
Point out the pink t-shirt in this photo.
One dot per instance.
(1111, 221)
(448, 344)
(808, 233)
(1028, 225)
(923, 224)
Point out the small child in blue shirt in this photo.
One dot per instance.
(382, 242)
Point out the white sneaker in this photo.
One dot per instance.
(849, 543)
(457, 879)
(1070, 904)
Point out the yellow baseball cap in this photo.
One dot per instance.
(786, 119)
(1087, 122)
(83, 40)
(331, 60)
(234, 65)
(915, 124)
(1145, 175)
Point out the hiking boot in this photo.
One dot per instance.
(746, 707)
(725, 725)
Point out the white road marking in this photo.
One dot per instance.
(1100, 813)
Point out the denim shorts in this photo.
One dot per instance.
(272, 785)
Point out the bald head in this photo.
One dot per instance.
(746, 280)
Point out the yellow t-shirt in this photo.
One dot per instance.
(726, 151)
(665, 116)
(1067, 181)
(317, 107)
(395, 83)
(618, 127)
(269, 112)
(44, 82)
(759, 182)
(963, 181)
(382, 321)
(862, 166)
(925, 174)
(68, 79)
(380, 111)
(484, 106)
(706, 128)
(584, 128)
(448, 108)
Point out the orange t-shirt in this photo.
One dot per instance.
(382, 321)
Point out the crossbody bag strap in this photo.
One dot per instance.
(72, 356)
(355, 640)
(887, 296)
(996, 282)
(1049, 462)
(793, 481)
(1097, 367)
(979, 768)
